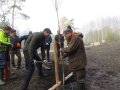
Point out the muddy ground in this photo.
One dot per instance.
(103, 71)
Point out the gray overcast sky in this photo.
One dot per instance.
(43, 14)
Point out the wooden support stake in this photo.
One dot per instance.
(56, 64)
(68, 76)
(55, 86)
(59, 83)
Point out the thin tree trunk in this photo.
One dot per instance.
(13, 13)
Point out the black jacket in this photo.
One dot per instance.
(33, 42)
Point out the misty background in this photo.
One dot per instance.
(98, 20)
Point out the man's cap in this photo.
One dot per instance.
(48, 30)
(68, 30)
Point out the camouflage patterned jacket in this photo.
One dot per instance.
(76, 53)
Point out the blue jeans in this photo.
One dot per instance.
(2, 59)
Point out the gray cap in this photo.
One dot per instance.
(68, 30)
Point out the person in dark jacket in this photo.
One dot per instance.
(15, 49)
(31, 46)
(48, 41)
(59, 40)
(76, 57)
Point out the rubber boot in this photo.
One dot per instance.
(1, 78)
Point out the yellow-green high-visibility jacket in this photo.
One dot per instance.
(4, 40)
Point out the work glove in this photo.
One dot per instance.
(35, 61)
(45, 61)
(47, 43)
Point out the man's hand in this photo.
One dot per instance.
(61, 58)
(59, 42)
(61, 49)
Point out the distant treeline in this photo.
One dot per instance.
(106, 30)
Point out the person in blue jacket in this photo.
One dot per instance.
(24, 37)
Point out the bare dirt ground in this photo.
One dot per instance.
(103, 71)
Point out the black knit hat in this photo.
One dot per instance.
(48, 30)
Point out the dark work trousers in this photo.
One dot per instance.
(18, 54)
(80, 75)
(30, 69)
(26, 56)
(48, 52)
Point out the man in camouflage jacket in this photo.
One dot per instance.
(76, 57)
